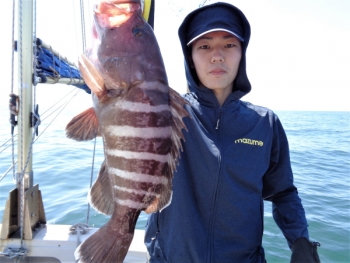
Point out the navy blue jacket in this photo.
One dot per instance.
(235, 156)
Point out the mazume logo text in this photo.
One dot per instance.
(249, 141)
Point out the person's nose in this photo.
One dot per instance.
(217, 57)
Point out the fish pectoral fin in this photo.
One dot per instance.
(92, 76)
(101, 196)
(83, 127)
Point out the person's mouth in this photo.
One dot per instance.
(217, 71)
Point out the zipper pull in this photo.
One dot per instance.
(217, 124)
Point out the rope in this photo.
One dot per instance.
(13, 44)
(82, 17)
(20, 182)
(19, 179)
(78, 229)
(12, 77)
(15, 253)
(91, 177)
(35, 62)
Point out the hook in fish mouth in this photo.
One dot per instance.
(110, 14)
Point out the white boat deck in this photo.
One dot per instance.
(55, 244)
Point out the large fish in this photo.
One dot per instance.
(140, 120)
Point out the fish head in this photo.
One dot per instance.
(126, 49)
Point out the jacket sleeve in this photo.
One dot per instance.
(278, 188)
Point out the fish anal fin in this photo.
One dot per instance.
(101, 193)
(83, 127)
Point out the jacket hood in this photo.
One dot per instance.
(241, 85)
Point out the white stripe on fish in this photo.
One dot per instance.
(135, 191)
(131, 203)
(138, 155)
(138, 177)
(153, 85)
(146, 133)
(140, 107)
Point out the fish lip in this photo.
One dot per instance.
(116, 3)
(124, 1)
(111, 14)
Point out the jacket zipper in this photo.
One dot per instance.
(212, 219)
(218, 121)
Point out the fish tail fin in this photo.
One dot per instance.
(110, 243)
(101, 193)
(83, 127)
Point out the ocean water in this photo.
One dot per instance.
(320, 154)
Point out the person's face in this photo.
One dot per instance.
(216, 57)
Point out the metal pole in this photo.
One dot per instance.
(25, 95)
(25, 89)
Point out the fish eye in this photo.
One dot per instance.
(137, 31)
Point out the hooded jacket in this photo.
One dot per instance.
(235, 156)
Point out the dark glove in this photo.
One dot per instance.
(305, 251)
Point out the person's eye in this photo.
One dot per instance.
(204, 47)
(230, 45)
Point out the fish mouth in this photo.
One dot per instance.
(112, 14)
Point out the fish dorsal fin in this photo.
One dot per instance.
(83, 127)
(101, 193)
(178, 112)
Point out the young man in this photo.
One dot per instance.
(235, 156)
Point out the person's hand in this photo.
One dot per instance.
(304, 251)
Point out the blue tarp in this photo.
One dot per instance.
(50, 65)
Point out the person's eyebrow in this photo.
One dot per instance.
(210, 38)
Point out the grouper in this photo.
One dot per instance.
(140, 119)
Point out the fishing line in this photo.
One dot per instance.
(37, 137)
(91, 177)
(9, 169)
(12, 143)
(5, 142)
(64, 106)
(59, 101)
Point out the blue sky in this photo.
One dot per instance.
(298, 57)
